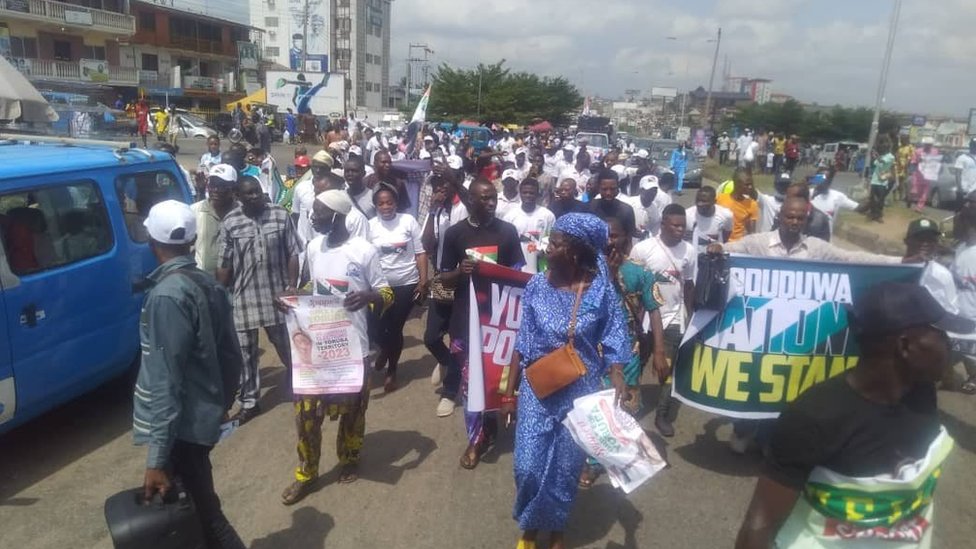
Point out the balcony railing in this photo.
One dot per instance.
(198, 45)
(85, 70)
(69, 15)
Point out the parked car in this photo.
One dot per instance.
(943, 194)
(192, 125)
(73, 263)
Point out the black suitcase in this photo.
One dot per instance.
(169, 523)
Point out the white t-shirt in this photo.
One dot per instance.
(301, 204)
(398, 242)
(505, 205)
(768, 210)
(365, 202)
(532, 228)
(831, 203)
(357, 224)
(648, 218)
(939, 282)
(677, 265)
(963, 271)
(967, 166)
(703, 231)
(353, 266)
(443, 221)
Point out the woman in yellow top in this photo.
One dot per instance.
(161, 119)
(903, 159)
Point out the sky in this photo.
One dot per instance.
(823, 51)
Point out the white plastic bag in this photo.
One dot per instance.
(615, 439)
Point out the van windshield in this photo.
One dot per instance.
(138, 192)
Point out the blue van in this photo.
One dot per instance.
(73, 262)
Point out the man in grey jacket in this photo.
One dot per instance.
(190, 370)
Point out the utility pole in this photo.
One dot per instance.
(423, 62)
(479, 92)
(305, 35)
(882, 84)
(711, 81)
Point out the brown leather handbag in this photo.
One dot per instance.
(559, 368)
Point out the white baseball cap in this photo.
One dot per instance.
(356, 150)
(511, 174)
(617, 169)
(171, 222)
(649, 182)
(455, 162)
(642, 153)
(223, 172)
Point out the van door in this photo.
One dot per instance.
(63, 315)
(8, 387)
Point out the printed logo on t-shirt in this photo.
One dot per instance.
(331, 286)
(393, 248)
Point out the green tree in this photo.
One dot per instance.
(813, 125)
(506, 97)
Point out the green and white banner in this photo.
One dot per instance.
(783, 329)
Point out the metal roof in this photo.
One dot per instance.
(18, 159)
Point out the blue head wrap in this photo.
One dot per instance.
(592, 231)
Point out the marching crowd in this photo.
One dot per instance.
(613, 262)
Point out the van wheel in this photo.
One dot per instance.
(935, 200)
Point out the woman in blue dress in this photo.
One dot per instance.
(547, 460)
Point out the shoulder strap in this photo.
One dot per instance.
(572, 317)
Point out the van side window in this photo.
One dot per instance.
(138, 192)
(54, 226)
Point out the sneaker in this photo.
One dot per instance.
(739, 445)
(445, 407)
(437, 376)
(664, 426)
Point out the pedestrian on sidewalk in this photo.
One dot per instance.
(210, 213)
(679, 163)
(397, 236)
(865, 448)
(190, 368)
(343, 265)
(574, 302)
(963, 269)
(259, 249)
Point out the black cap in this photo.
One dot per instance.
(921, 226)
(890, 307)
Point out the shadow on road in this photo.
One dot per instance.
(388, 454)
(708, 452)
(603, 506)
(44, 446)
(308, 530)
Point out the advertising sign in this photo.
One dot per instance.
(313, 93)
(315, 26)
(93, 70)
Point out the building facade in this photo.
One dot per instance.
(360, 48)
(69, 45)
(189, 54)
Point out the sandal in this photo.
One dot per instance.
(589, 476)
(349, 474)
(472, 456)
(295, 492)
(969, 387)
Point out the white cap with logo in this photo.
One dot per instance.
(171, 222)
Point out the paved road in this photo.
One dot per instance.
(56, 472)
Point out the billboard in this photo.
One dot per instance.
(669, 93)
(971, 129)
(320, 94)
(317, 40)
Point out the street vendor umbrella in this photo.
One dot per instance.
(19, 99)
(541, 127)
